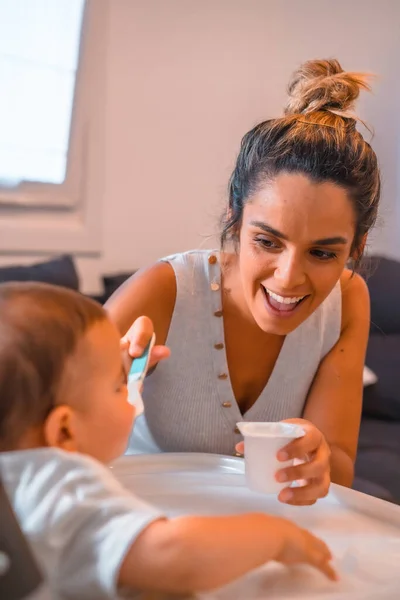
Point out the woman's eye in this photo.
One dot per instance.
(323, 254)
(265, 243)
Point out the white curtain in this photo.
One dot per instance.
(39, 53)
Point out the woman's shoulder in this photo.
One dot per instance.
(153, 290)
(194, 269)
(193, 257)
(355, 298)
(351, 280)
(158, 277)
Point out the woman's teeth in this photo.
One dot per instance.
(280, 303)
(283, 300)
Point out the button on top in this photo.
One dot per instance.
(212, 259)
(218, 313)
(227, 404)
(223, 376)
(218, 346)
(215, 286)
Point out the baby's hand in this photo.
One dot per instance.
(300, 546)
(136, 339)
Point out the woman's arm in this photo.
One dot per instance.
(150, 292)
(335, 400)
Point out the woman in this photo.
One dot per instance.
(275, 327)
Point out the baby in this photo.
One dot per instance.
(64, 415)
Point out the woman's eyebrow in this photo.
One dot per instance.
(331, 241)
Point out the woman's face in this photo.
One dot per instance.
(295, 239)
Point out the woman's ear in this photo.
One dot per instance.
(359, 250)
(60, 429)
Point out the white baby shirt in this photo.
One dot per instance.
(77, 517)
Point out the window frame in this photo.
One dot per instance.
(48, 217)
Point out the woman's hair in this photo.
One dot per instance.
(317, 137)
(40, 327)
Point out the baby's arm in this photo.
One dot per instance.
(105, 537)
(189, 554)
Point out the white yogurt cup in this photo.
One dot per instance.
(262, 442)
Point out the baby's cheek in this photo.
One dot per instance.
(121, 432)
(129, 417)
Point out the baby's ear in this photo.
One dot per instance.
(60, 429)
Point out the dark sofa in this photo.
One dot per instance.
(378, 460)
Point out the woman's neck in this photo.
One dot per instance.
(233, 300)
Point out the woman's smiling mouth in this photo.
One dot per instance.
(282, 305)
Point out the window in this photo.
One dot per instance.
(39, 49)
(52, 78)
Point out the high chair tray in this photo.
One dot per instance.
(362, 532)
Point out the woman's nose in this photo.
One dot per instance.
(289, 272)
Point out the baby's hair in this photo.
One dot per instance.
(40, 327)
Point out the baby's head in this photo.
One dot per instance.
(62, 382)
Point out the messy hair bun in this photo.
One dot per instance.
(320, 85)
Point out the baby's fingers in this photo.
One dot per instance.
(327, 569)
(320, 557)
